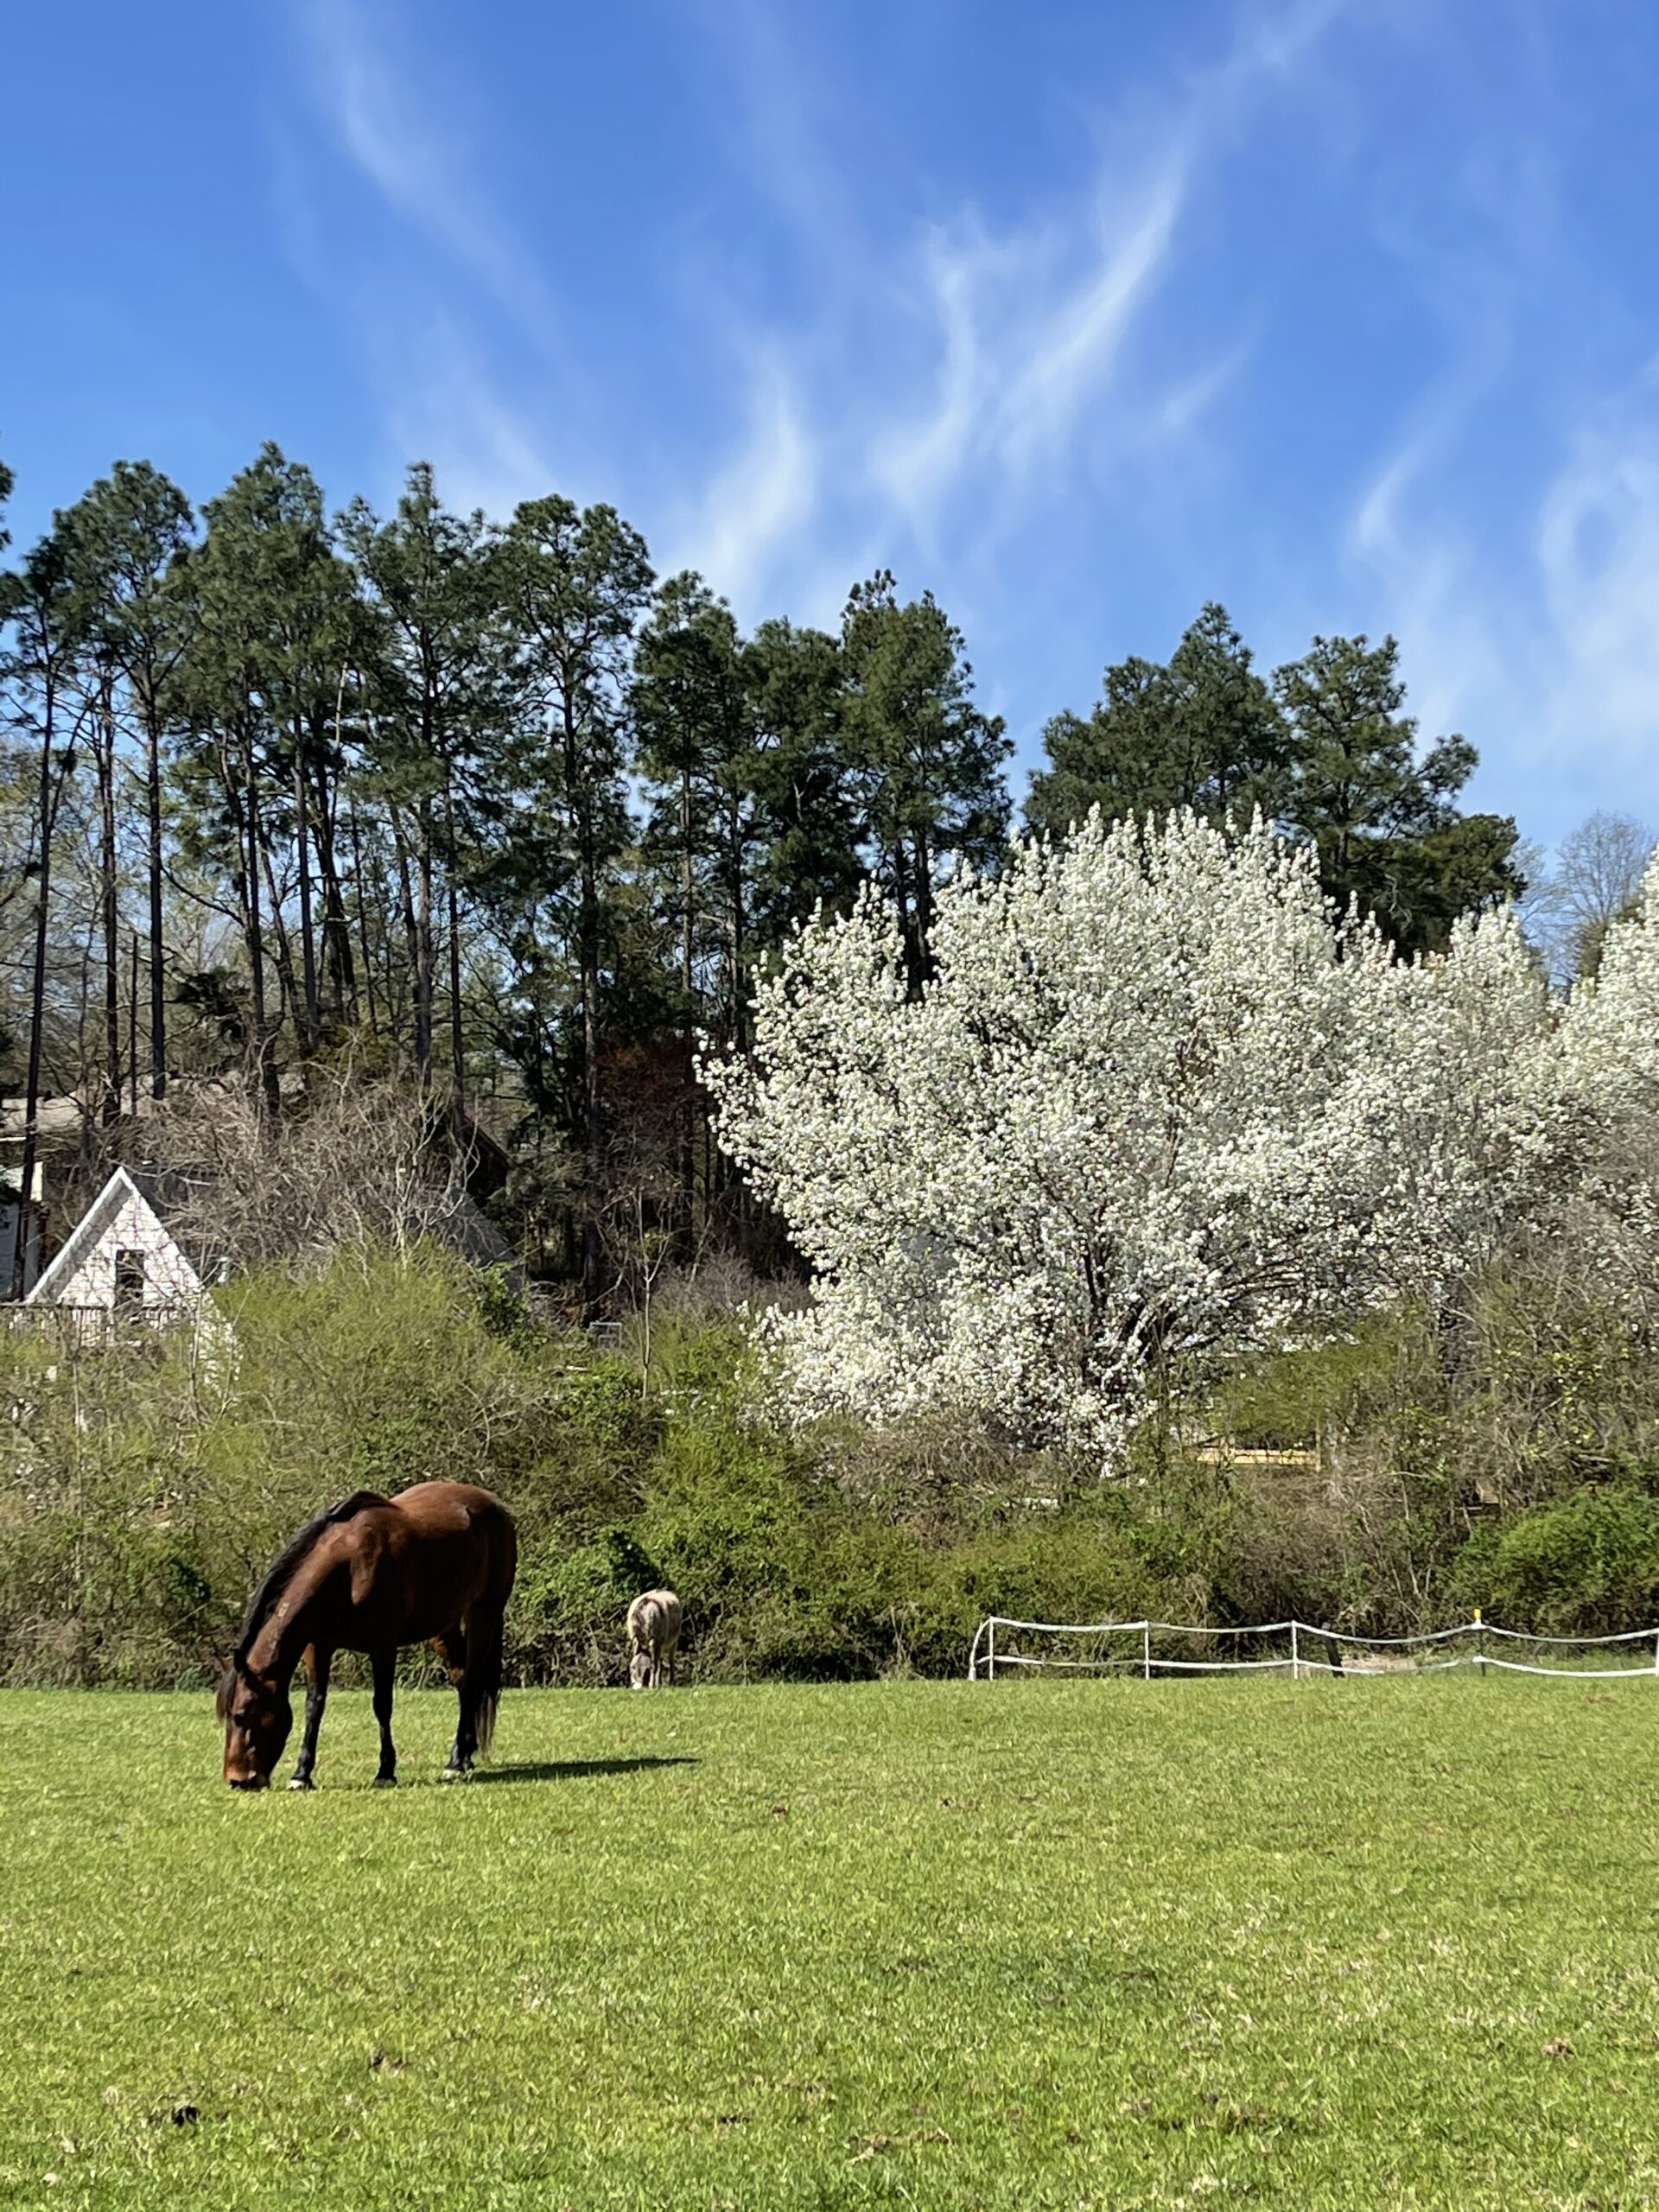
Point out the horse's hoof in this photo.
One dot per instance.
(385, 1782)
(457, 1773)
(301, 1781)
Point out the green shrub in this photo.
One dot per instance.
(142, 1496)
(1587, 1565)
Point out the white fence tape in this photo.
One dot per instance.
(1138, 1656)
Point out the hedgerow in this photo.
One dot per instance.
(1382, 1481)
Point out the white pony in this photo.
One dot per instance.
(654, 1620)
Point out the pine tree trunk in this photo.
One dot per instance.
(108, 890)
(338, 964)
(581, 801)
(157, 977)
(362, 916)
(457, 1041)
(924, 894)
(311, 1031)
(688, 1118)
(36, 1006)
(736, 924)
(132, 1026)
(423, 946)
(412, 926)
(264, 1068)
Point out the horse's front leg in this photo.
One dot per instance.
(317, 1662)
(385, 1675)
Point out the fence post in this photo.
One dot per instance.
(1295, 1660)
(1146, 1651)
(990, 1651)
(1480, 1643)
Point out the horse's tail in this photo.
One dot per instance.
(485, 1639)
(484, 1657)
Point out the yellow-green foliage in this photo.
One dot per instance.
(143, 1499)
(1425, 1464)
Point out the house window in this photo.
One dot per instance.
(128, 1279)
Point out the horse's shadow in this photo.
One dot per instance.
(576, 1769)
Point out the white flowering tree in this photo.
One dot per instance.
(1605, 1099)
(1155, 1102)
(1611, 1032)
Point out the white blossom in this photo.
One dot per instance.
(1155, 1102)
(1605, 1101)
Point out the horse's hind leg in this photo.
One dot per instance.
(480, 1687)
(316, 1696)
(384, 1662)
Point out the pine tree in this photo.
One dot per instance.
(577, 581)
(44, 614)
(927, 762)
(1384, 818)
(1204, 733)
(438, 700)
(127, 537)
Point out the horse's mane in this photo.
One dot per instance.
(281, 1570)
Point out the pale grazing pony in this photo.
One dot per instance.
(654, 1620)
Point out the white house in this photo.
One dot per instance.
(126, 1261)
(122, 1260)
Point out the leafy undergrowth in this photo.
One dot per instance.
(1112, 1944)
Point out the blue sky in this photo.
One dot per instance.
(1079, 312)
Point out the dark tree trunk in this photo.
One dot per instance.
(109, 918)
(157, 977)
(457, 1040)
(578, 785)
(36, 1001)
(262, 1065)
(132, 1025)
(923, 968)
(424, 945)
(311, 1015)
(412, 937)
(689, 1117)
(336, 931)
(362, 917)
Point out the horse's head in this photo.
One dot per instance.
(639, 1671)
(258, 1717)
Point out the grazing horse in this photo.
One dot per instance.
(654, 1620)
(434, 1564)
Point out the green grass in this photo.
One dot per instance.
(1033, 1944)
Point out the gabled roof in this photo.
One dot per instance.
(123, 1187)
(467, 1231)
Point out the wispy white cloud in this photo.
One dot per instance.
(965, 365)
(1535, 638)
(925, 367)
(1422, 574)
(758, 500)
(407, 140)
(1078, 340)
(422, 320)
(443, 404)
(1597, 551)
(1021, 348)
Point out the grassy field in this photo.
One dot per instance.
(1356, 1945)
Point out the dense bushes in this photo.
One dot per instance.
(1413, 1470)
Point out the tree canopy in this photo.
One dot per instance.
(1323, 751)
(486, 806)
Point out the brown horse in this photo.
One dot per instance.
(435, 1563)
